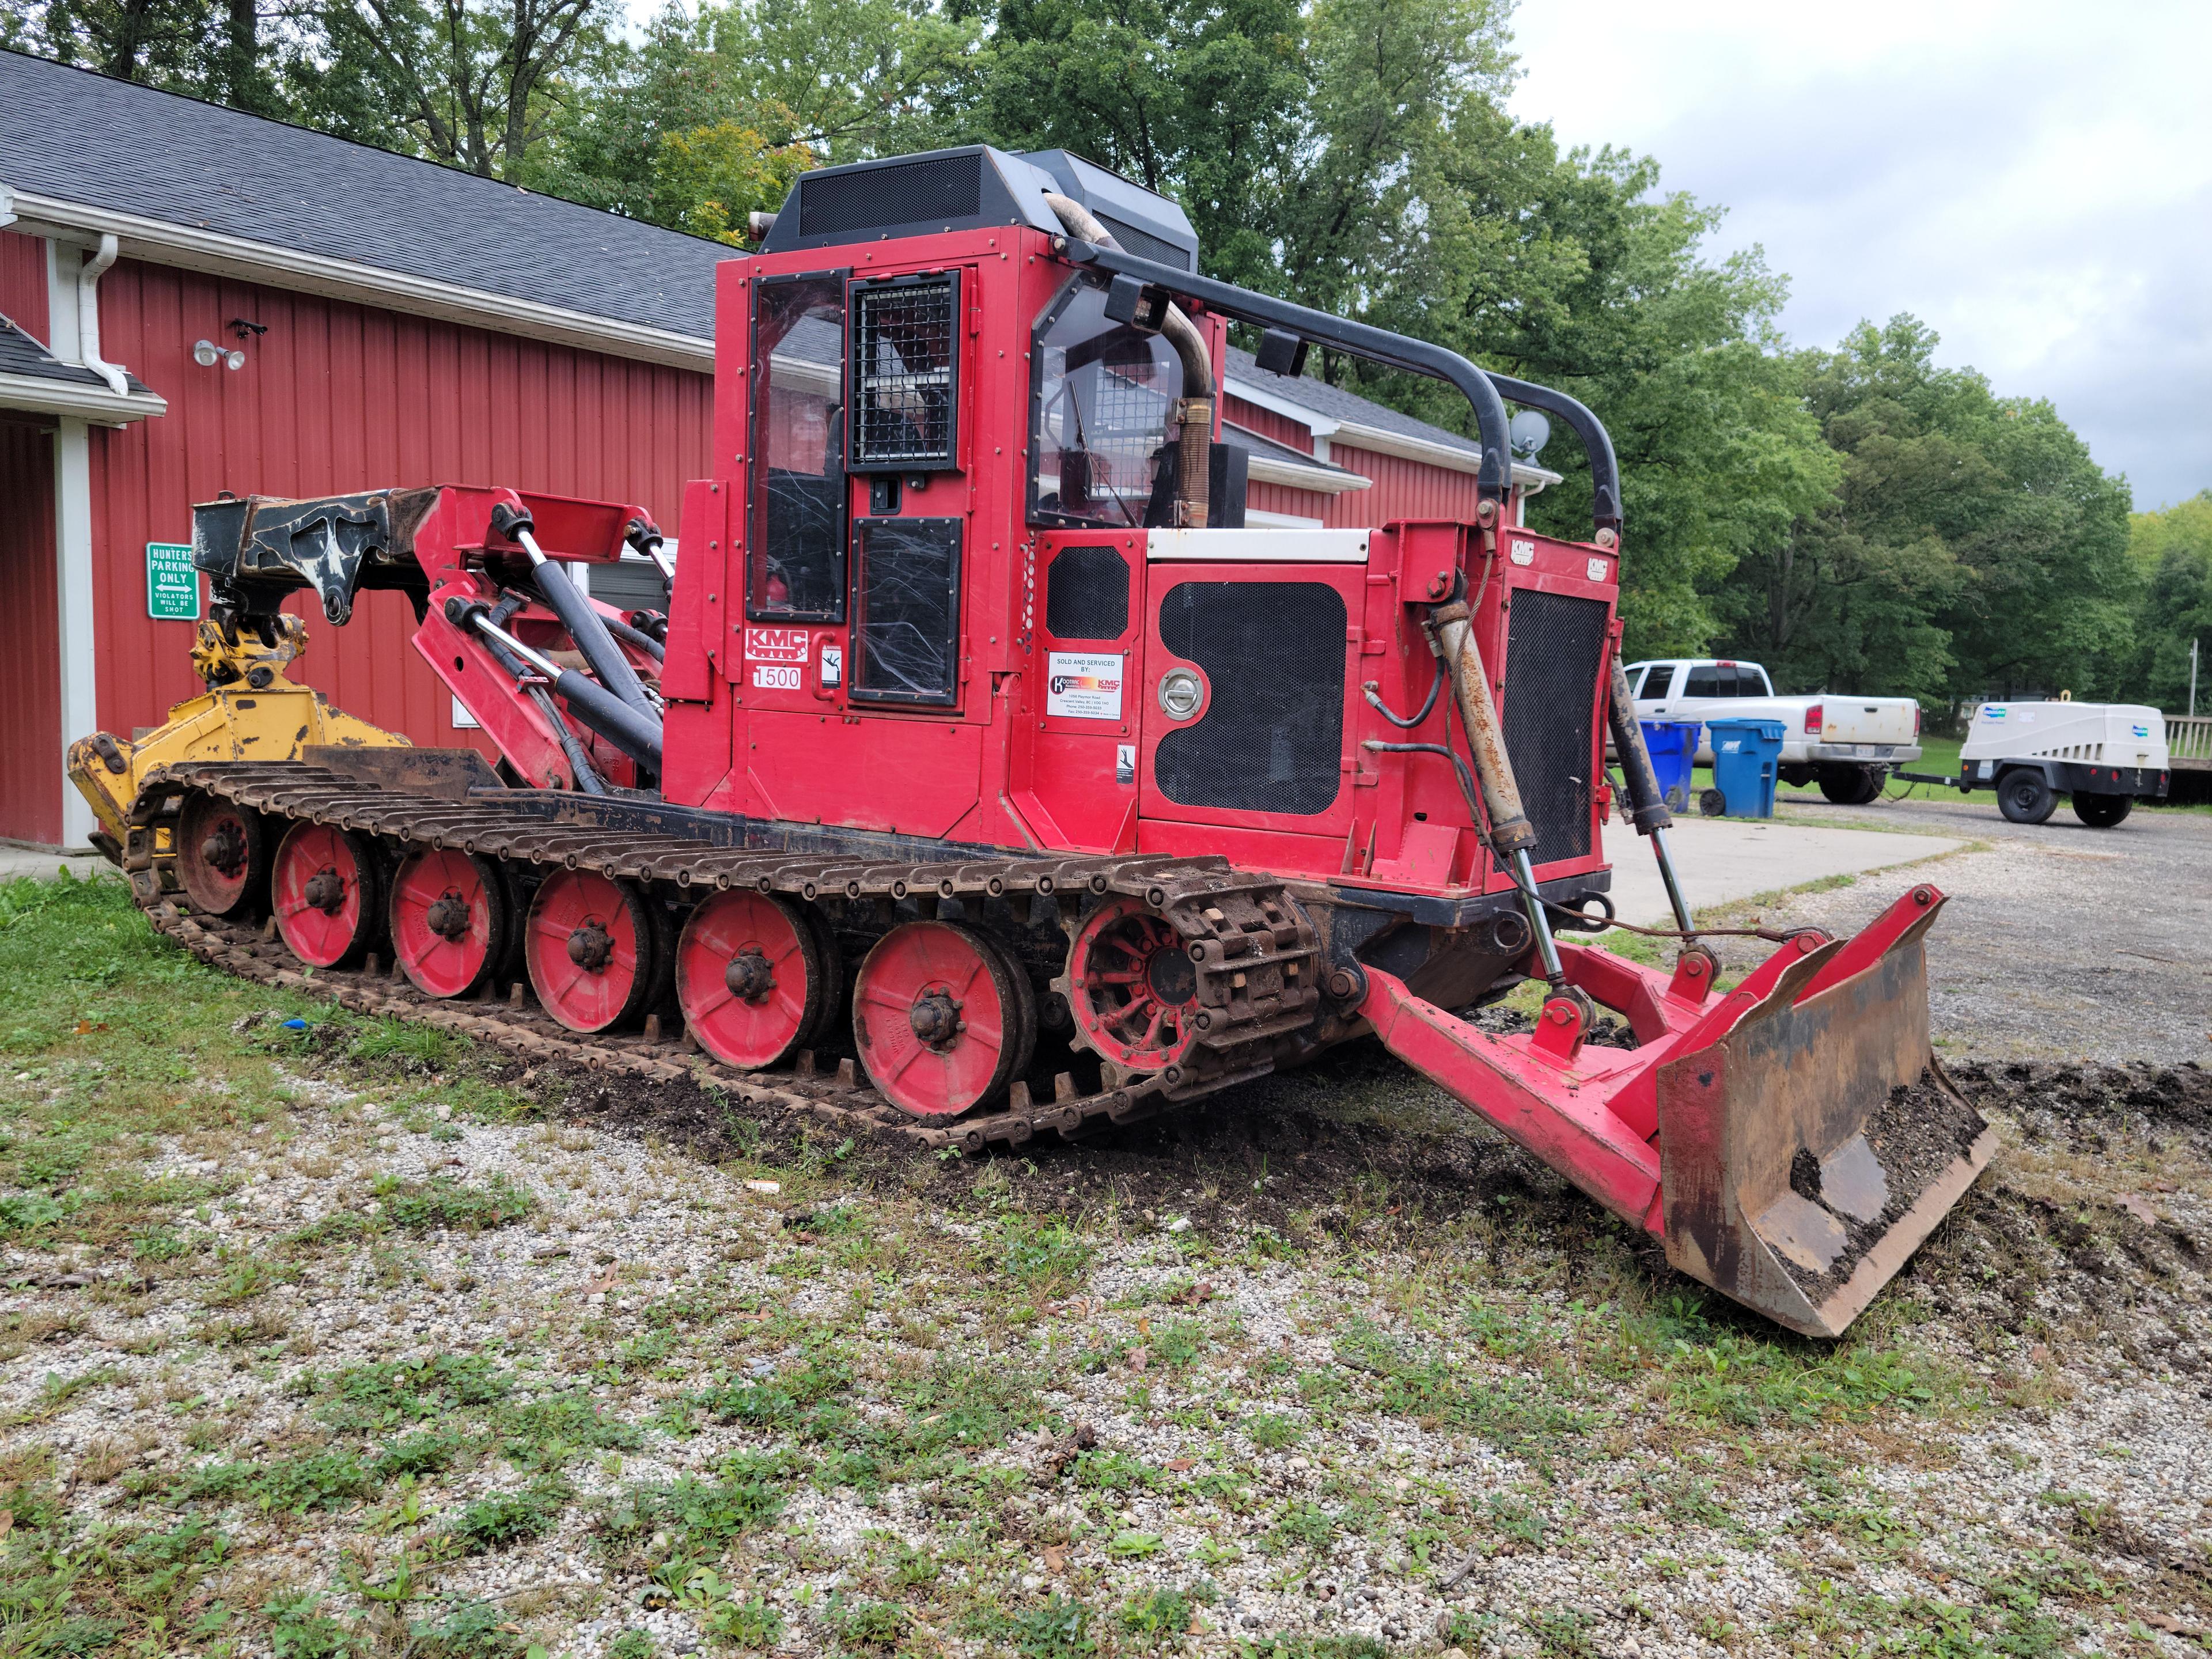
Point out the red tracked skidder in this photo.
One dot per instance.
(985, 772)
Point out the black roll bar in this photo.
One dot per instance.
(1377, 345)
(1480, 388)
(1597, 444)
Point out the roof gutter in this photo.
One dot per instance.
(1322, 480)
(33, 394)
(190, 247)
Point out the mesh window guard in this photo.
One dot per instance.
(905, 623)
(1101, 393)
(906, 343)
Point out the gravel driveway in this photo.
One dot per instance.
(2060, 942)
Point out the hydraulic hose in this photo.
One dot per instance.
(1647, 807)
(1372, 690)
(637, 637)
(588, 781)
(1194, 459)
(634, 731)
(585, 624)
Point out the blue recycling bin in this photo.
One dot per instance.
(1746, 754)
(1674, 746)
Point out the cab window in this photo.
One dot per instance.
(796, 566)
(1099, 420)
(1706, 682)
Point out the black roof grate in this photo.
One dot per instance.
(943, 188)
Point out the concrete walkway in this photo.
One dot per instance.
(16, 861)
(1721, 860)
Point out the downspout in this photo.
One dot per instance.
(88, 316)
(1195, 462)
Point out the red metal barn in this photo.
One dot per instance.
(1323, 457)
(195, 301)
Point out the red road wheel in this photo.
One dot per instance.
(938, 1018)
(327, 890)
(222, 856)
(591, 950)
(750, 978)
(450, 921)
(1133, 987)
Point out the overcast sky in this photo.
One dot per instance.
(2033, 180)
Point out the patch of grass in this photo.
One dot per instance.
(552, 1431)
(1272, 1431)
(1287, 1646)
(395, 1392)
(1164, 1615)
(313, 1480)
(510, 1517)
(1045, 1257)
(1104, 1468)
(1301, 1524)
(1058, 1629)
(699, 1518)
(1743, 1380)
(873, 1627)
(1563, 1631)
(299, 1629)
(425, 1452)
(1533, 1419)
(1177, 1343)
(469, 1630)
(422, 1207)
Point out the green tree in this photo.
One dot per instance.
(2172, 552)
(470, 84)
(714, 117)
(1975, 548)
(229, 51)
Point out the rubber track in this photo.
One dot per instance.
(1257, 977)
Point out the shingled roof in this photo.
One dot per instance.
(81, 137)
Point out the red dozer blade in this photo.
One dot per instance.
(1791, 1141)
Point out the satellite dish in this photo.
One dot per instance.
(1528, 434)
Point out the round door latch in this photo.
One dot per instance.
(1182, 694)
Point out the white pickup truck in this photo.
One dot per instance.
(1845, 744)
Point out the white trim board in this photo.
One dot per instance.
(1257, 546)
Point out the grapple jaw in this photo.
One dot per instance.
(1791, 1141)
(1805, 1153)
